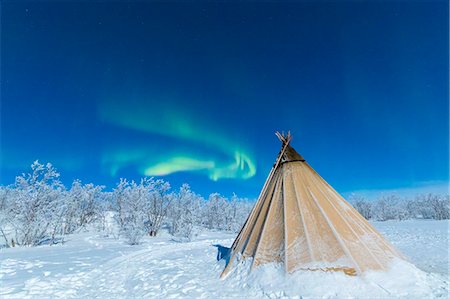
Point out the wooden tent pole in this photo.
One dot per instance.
(286, 140)
(263, 190)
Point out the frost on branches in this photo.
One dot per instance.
(185, 213)
(38, 209)
(141, 208)
(394, 207)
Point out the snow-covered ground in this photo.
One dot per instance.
(91, 266)
(424, 242)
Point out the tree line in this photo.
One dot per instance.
(39, 209)
(394, 207)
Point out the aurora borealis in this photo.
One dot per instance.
(173, 122)
(193, 92)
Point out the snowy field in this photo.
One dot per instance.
(92, 266)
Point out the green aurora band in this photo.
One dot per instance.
(182, 126)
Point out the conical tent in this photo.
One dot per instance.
(301, 221)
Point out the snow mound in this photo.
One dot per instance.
(403, 280)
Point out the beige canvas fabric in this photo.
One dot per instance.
(301, 221)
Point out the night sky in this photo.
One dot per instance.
(194, 92)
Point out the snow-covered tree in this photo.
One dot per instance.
(5, 212)
(387, 207)
(402, 211)
(441, 207)
(214, 211)
(184, 213)
(105, 206)
(37, 208)
(221, 213)
(131, 204)
(35, 204)
(433, 206)
(363, 206)
(83, 205)
(158, 201)
(240, 209)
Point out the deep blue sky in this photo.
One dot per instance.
(107, 90)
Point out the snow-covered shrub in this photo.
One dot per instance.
(215, 211)
(141, 207)
(442, 207)
(83, 205)
(36, 205)
(131, 204)
(38, 208)
(5, 213)
(158, 200)
(362, 205)
(387, 207)
(133, 230)
(104, 219)
(237, 211)
(402, 209)
(184, 213)
(393, 207)
(224, 214)
(433, 206)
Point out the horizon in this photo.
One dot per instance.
(194, 92)
(437, 188)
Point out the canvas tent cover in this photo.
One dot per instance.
(301, 221)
